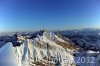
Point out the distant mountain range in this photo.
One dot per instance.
(88, 39)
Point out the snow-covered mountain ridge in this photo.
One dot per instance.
(44, 49)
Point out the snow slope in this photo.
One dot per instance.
(7, 55)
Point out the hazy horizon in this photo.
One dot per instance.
(50, 30)
(33, 15)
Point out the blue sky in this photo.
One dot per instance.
(30, 15)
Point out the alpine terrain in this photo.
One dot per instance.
(41, 48)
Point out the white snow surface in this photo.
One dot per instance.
(7, 55)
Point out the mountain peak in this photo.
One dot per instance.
(44, 46)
